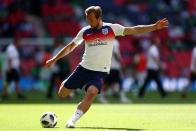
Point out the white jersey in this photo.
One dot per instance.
(98, 45)
(151, 63)
(193, 60)
(115, 64)
(13, 55)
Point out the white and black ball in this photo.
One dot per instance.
(48, 120)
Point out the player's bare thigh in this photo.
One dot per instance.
(63, 91)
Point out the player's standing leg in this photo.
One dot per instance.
(83, 106)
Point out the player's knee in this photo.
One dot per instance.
(92, 92)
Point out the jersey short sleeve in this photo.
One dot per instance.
(79, 37)
(118, 29)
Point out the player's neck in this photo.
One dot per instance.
(100, 24)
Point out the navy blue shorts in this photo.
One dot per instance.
(82, 78)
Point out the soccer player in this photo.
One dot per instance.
(114, 79)
(95, 65)
(153, 67)
(12, 69)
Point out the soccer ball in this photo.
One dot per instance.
(48, 120)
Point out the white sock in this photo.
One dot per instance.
(76, 116)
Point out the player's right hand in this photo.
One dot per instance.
(50, 62)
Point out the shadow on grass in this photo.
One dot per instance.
(51, 127)
(112, 128)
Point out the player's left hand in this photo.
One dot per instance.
(163, 23)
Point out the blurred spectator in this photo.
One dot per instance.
(114, 79)
(153, 68)
(193, 73)
(140, 61)
(60, 70)
(12, 69)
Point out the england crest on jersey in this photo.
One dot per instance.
(105, 31)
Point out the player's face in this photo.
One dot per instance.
(92, 20)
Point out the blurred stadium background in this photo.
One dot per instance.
(39, 22)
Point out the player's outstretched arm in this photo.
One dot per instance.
(64, 51)
(163, 23)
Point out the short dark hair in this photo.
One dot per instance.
(95, 9)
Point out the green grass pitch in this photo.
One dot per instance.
(102, 117)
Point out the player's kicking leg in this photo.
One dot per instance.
(63, 92)
(83, 106)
